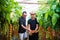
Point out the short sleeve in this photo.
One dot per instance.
(37, 22)
(20, 21)
(28, 21)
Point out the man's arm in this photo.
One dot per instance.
(28, 27)
(21, 22)
(36, 27)
(23, 26)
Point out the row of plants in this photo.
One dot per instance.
(48, 17)
(10, 11)
(48, 14)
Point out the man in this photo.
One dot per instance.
(22, 26)
(33, 27)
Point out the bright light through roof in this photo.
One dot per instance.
(26, 1)
(18, 0)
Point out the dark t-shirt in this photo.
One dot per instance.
(32, 23)
(22, 21)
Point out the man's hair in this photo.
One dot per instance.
(24, 12)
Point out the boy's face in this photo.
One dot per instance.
(32, 15)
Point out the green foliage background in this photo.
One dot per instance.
(6, 7)
(49, 13)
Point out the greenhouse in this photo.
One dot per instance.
(41, 17)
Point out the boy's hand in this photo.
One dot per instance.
(33, 31)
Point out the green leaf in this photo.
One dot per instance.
(46, 15)
(54, 19)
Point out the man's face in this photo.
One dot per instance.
(24, 15)
(32, 15)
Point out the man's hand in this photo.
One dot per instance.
(28, 29)
(24, 27)
(34, 31)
